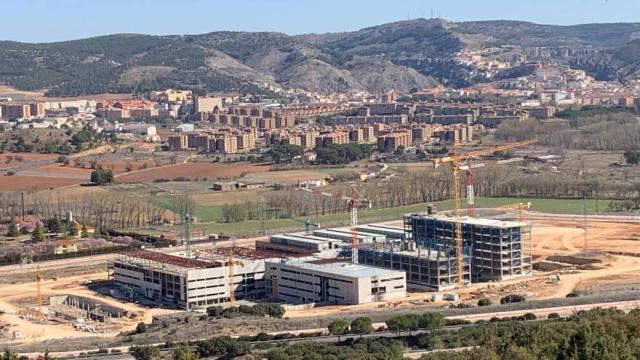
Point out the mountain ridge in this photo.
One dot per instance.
(401, 55)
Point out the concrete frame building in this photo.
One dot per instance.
(499, 249)
(333, 282)
(187, 283)
(426, 269)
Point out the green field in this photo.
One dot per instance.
(253, 227)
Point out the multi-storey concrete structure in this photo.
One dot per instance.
(177, 142)
(187, 283)
(300, 282)
(36, 109)
(498, 249)
(16, 111)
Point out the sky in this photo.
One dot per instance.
(58, 20)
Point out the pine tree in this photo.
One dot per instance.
(38, 234)
(13, 229)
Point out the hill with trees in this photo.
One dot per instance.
(402, 55)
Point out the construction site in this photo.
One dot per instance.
(427, 258)
(434, 251)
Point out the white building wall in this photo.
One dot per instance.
(301, 284)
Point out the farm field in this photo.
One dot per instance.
(192, 171)
(23, 183)
(58, 171)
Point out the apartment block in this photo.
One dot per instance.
(421, 133)
(16, 111)
(392, 141)
(333, 138)
(356, 135)
(227, 144)
(246, 141)
(177, 142)
(36, 109)
(543, 112)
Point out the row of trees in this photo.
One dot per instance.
(436, 185)
(102, 211)
(273, 310)
(608, 131)
(596, 334)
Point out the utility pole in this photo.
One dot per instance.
(22, 199)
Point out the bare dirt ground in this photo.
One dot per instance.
(19, 183)
(12, 295)
(552, 239)
(26, 157)
(192, 170)
(59, 171)
(549, 238)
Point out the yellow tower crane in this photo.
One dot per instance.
(456, 160)
(519, 206)
(525, 236)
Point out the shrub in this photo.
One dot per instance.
(101, 177)
(141, 328)
(512, 298)
(484, 302)
(530, 316)
(553, 316)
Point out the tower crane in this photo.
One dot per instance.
(521, 206)
(353, 202)
(525, 236)
(455, 160)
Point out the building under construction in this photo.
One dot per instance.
(498, 249)
(427, 269)
(193, 283)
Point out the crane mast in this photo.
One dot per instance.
(354, 231)
(455, 161)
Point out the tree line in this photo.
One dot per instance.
(611, 131)
(432, 186)
(103, 212)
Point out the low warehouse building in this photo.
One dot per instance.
(300, 282)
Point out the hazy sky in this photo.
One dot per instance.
(54, 20)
